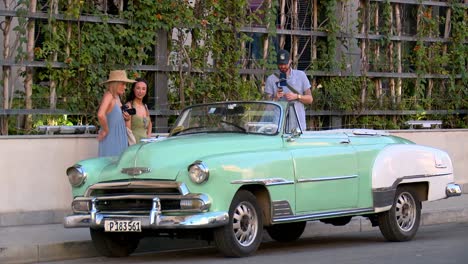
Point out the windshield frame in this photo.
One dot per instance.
(216, 109)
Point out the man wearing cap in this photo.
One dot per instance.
(290, 85)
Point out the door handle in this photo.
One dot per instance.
(345, 141)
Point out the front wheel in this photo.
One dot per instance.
(402, 221)
(243, 234)
(114, 244)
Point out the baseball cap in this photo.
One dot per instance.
(283, 57)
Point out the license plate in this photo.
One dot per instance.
(122, 226)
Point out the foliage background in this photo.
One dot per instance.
(206, 50)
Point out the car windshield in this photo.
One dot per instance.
(230, 117)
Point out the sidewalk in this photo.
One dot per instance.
(42, 243)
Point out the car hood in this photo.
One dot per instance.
(164, 159)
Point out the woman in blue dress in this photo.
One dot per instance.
(113, 133)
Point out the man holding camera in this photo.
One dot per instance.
(290, 85)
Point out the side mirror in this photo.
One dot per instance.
(176, 130)
(296, 132)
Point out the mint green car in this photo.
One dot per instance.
(229, 170)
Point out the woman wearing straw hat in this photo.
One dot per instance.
(113, 133)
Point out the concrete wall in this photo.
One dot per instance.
(454, 142)
(35, 190)
(34, 187)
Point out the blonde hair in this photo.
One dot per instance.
(112, 85)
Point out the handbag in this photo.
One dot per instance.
(130, 137)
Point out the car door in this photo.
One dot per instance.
(325, 167)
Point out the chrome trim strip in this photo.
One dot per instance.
(319, 135)
(201, 197)
(135, 171)
(155, 213)
(183, 190)
(452, 190)
(401, 179)
(334, 178)
(351, 132)
(141, 212)
(281, 208)
(370, 132)
(266, 182)
(152, 221)
(426, 175)
(206, 202)
(309, 217)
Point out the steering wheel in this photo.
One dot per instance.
(268, 129)
(234, 125)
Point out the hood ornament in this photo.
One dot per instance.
(135, 171)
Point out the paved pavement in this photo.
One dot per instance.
(45, 243)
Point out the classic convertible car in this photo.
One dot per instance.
(229, 170)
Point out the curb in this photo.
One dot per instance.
(47, 252)
(85, 249)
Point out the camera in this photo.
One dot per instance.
(130, 111)
(282, 80)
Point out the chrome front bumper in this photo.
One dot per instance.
(453, 189)
(152, 221)
(155, 218)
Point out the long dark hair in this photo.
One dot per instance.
(131, 93)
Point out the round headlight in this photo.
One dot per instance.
(198, 172)
(76, 175)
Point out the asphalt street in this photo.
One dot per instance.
(434, 244)
(45, 243)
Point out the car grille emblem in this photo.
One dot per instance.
(135, 171)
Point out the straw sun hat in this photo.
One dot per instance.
(118, 76)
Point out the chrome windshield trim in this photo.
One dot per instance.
(186, 111)
(266, 182)
(334, 178)
(309, 217)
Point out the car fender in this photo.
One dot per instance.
(407, 163)
(233, 171)
(92, 169)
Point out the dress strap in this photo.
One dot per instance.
(147, 111)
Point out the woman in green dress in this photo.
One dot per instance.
(140, 122)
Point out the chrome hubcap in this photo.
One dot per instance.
(405, 211)
(245, 224)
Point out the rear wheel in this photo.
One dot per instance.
(402, 221)
(243, 234)
(286, 232)
(114, 244)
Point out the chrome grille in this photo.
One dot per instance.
(135, 205)
(126, 191)
(136, 196)
(156, 187)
